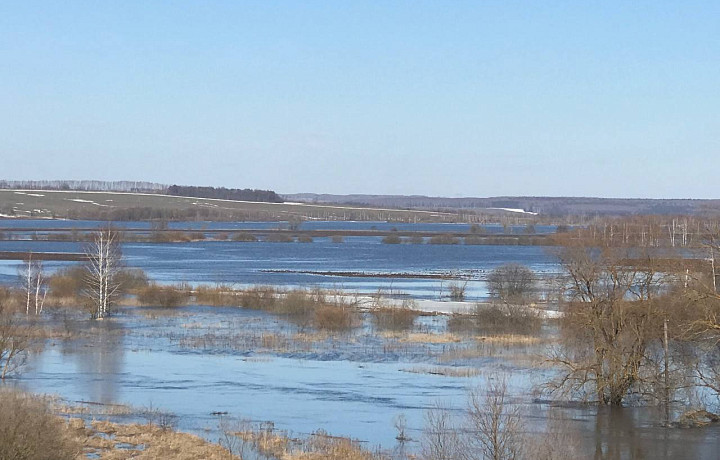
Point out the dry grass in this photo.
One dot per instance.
(446, 371)
(319, 446)
(422, 337)
(29, 430)
(217, 296)
(113, 441)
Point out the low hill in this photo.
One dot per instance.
(93, 205)
(544, 206)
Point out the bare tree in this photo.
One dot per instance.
(104, 262)
(613, 316)
(511, 284)
(495, 426)
(13, 343)
(441, 438)
(32, 277)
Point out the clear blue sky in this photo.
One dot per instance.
(452, 98)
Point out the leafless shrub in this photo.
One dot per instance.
(394, 318)
(441, 436)
(279, 238)
(244, 237)
(496, 319)
(13, 343)
(156, 295)
(457, 291)
(444, 239)
(495, 425)
(218, 296)
(392, 239)
(333, 318)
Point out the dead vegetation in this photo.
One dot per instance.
(281, 446)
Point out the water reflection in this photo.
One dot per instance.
(99, 359)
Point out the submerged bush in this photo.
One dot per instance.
(394, 318)
(279, 238)
(497, 319)
(392, 239)
(244, 237)
(333, 318)
(444, 239)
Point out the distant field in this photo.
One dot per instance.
(138, 206)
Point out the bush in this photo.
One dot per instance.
(444, 239)
(415, 239)
(155, 295)
(394, 319)
(131, 279)
(259, 298)
(457, 291)
(279, 238)
(67, 282)
(337, 239)
(305, 239)
(474, 240)
(28, 431)
(218, 296)
(333, 318)
(392, 239)
(497, 319)
(244, 237)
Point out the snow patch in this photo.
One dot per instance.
(518, 210)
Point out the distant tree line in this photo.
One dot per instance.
(222, 193)
(84, 185)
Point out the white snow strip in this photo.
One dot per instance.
(518, 210)
(35, 194)
(79, 200)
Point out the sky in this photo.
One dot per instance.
(441, 98)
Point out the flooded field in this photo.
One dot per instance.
(198, 362)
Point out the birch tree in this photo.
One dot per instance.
(32, 277)
(103, 265)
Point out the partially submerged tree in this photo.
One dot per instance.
(511, 284)
(613, 316)
(104, 263)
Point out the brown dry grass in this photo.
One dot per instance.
(143, 442)
(446, 371)
(421, 337)
(319, 446)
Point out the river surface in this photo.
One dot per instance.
(287, 264)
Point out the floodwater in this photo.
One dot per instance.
(287, 264)
(194, 361)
